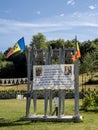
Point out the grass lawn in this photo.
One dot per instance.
(12, 110)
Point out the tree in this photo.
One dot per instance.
(7, 69)
(57, 43)
(39, 41)
(89, 64)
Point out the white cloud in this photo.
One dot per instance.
(48, 24)
(70, 2)
(8, 26)
(76, 14)
(52, 27)
(13, 23)
(92, 7)
(87, 16)
(38, 12)
(62, 15)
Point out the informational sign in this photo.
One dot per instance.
(53, 76)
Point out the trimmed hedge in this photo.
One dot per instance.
(12, 94)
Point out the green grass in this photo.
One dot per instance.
(12, 110)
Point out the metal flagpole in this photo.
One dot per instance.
(28, 98)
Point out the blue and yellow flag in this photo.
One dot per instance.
(19, 46)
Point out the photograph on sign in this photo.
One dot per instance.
(38, 71)
(68, 70)
(53, 76)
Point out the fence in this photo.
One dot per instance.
(13, 81)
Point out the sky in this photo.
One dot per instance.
(56, 19)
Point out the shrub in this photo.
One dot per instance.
(90, 100)
(10, 94)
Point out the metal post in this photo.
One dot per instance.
(35, 101)
(46, 103)
(48, 61)
(63, 102)
(60, 55)
(28, 98)
(76, 70)
(48, 57)
(60, 92)
(50, 101)
(50, 91)
(59, 108)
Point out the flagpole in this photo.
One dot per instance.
(28, 97)
(76, 39)
(76, 73)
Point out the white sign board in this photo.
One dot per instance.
(53, 76)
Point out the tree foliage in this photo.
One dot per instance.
(16, 66)
(90, 101)
(89, 64)
(56, 43)
(39, 41)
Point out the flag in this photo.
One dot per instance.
(77, 53)
(19, 46)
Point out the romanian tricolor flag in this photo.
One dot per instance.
(19, 46)
(77, 54)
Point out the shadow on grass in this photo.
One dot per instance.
(96, 76)
(7, 123)
(90, 110)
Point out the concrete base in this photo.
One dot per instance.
(43, 118)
